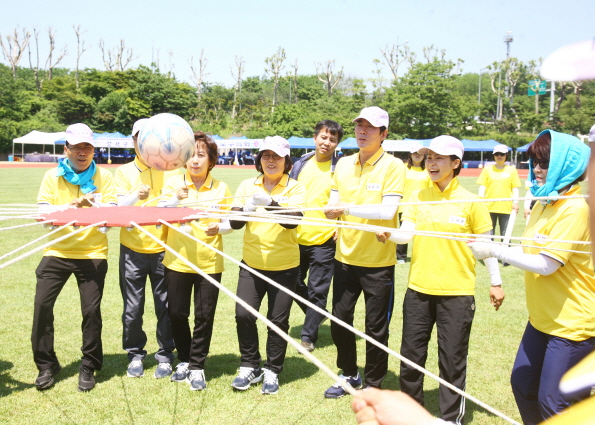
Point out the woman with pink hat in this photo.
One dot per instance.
(444, 299)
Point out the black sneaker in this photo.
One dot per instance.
(246, 377)
(45, 378)
(337, 391)
(86, 378)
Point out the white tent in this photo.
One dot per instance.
(39, 138)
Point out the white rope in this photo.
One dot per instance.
(253, 311)
(52, 242)
(37, 240)
(346, 326)
(26, 225)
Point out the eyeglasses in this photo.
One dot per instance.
(499, 154)
(543, 163)
(268, 157)
(76, 148)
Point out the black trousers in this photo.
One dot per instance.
(401, 248)
(503, 219)
(377, 284)
(253, 289)
(192, 348)
(453, 316)
(52, 274)
(318, 261)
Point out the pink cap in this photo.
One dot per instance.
(374, 115)
(500, 148)
(277, 144)
(79, 133)
(138, 125)
(592, 134)
(445, 145)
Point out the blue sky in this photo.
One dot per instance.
(350, 32)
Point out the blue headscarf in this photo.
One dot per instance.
(84, 179)
(568, 161)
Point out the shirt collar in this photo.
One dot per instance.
(139, 165)
(452, 187)
(373, 159)
(283, 182)
(208, 184)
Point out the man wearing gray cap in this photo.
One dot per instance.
(141, 256)
(78, 183)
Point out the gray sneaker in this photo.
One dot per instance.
(308, 346)
(135, 369)
(181, 373)
(270, 383)
(197, 381)
(246, 377)
(163, 370)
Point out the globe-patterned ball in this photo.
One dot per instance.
(166, 142)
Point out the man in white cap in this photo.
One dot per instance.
(366, 190)
(141, 257)
(78, 183)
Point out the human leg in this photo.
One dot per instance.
(419, 316)
(179, 291)
(401, 248)
(454, 317)
(90, 276)
(205, 304)
(378, 287)
(346, 291)
(134, 269)
(52, 274)
(279, 308)
(319, 282)
(165, 338)
(301, 287)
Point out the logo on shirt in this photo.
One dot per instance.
(97, 197)
(373, 187)
(282, 199)
(539, 238)
(457, 220)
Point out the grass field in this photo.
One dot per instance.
(121, 400)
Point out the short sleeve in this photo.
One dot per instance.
(483, 177)
(480, 219)
(108, 190)
(571, 227)
(395, 179)
(516, 182)
(46, 190)
(122, 183)
(409, 212)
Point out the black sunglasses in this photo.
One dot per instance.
(499, 154)
(543, 163)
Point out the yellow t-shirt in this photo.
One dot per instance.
(563, 303)
(203, 257)
(415, 179)
(499, 184)
(317, 178)
(90, 244)
(382, 175)
(128, 178)
(270, 246)
(443, 266)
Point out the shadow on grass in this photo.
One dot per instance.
(324, 335)
(7, 384)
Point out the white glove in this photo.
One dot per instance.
(249, 206)
(261, 199)
(483, 250)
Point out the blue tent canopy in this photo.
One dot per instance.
(479, 145)
(349, 143)
(301, 142)
(523, 148)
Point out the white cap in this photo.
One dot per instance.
(592, 134)
(138, 125)
(500, 148)
(374, 115)
(79, 133)
(277, 144)
(445, 145)
(415, 147)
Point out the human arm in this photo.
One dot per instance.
(515, 203)
(132, 198)
(534, 263)
(482, 191)
(386, 211)
(385, 407)
(401, 236)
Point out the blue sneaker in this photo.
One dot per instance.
(270, 383)
(197, 381)
(337, 391)
(246, 377)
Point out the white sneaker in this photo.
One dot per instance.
(270, 383)
(163, 370)
(181, 373)
(196, 379)
(135, 369)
